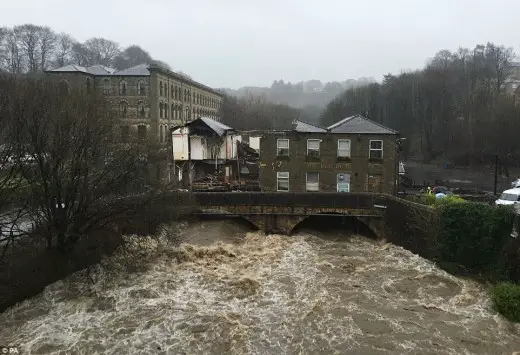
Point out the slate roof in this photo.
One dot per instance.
(300, 126)
(138, 70)
(94, 70)
(217, 127)
(358, 124)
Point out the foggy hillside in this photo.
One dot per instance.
(304, 94)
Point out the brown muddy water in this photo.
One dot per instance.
(229, 291)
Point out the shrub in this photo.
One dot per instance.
(449, 199)
(474, 234)
(431, 200)
(506, 300)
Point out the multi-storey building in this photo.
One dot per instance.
(148, 99)
(353, 155)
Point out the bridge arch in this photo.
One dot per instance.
(374, 225)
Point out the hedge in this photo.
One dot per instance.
(506, 300)
(474, 235)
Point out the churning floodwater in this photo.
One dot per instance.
(229, 291)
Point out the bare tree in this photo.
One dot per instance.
(13, 190)
(132, 56)
(78, 175)
(3, 49)
(29, 36)
(64, 49)
(13, 56)
(102, 51)
(47, 43)
(161, 64)
(80, 54)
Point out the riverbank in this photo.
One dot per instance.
(29, 266)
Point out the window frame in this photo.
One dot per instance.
(106, 87)
(307, 181)
(349, 148)
(278, 177)
(370, 149)
(141, 90)
(337, 181)
(123, 109)
(314, 150)
(141, 109)
(139, 131)
(123, 88)
(278, 148)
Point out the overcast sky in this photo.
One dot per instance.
(232, 43)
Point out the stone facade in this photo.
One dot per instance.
(363, 169)
(152, 98)
(148, 101)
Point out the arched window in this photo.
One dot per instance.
(161, 131)
(160, 88)
(172, 92)
(123, 108)
(165, 110)
(185, 95)
(141, 132)
(122, 87)
(176, 93)
(63, 87)
(166, 90)
(160, 109)
(141, 88)
(173, 111)
(141, 111)
(106, 87)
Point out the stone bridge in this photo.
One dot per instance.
(280, 212)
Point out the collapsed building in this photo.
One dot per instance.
(211, 156)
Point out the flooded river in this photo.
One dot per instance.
(230, 291)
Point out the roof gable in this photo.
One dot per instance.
(219, 128)
(300, 126)
(358, 124)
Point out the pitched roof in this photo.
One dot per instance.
(217, 127)
(94, 70)
(100, 70)
(300, 126)
(70, 68)
(138, 70)
(358, 124)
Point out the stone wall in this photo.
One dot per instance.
(410, 225)
(362, 171)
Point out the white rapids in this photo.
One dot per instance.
(229, 291)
